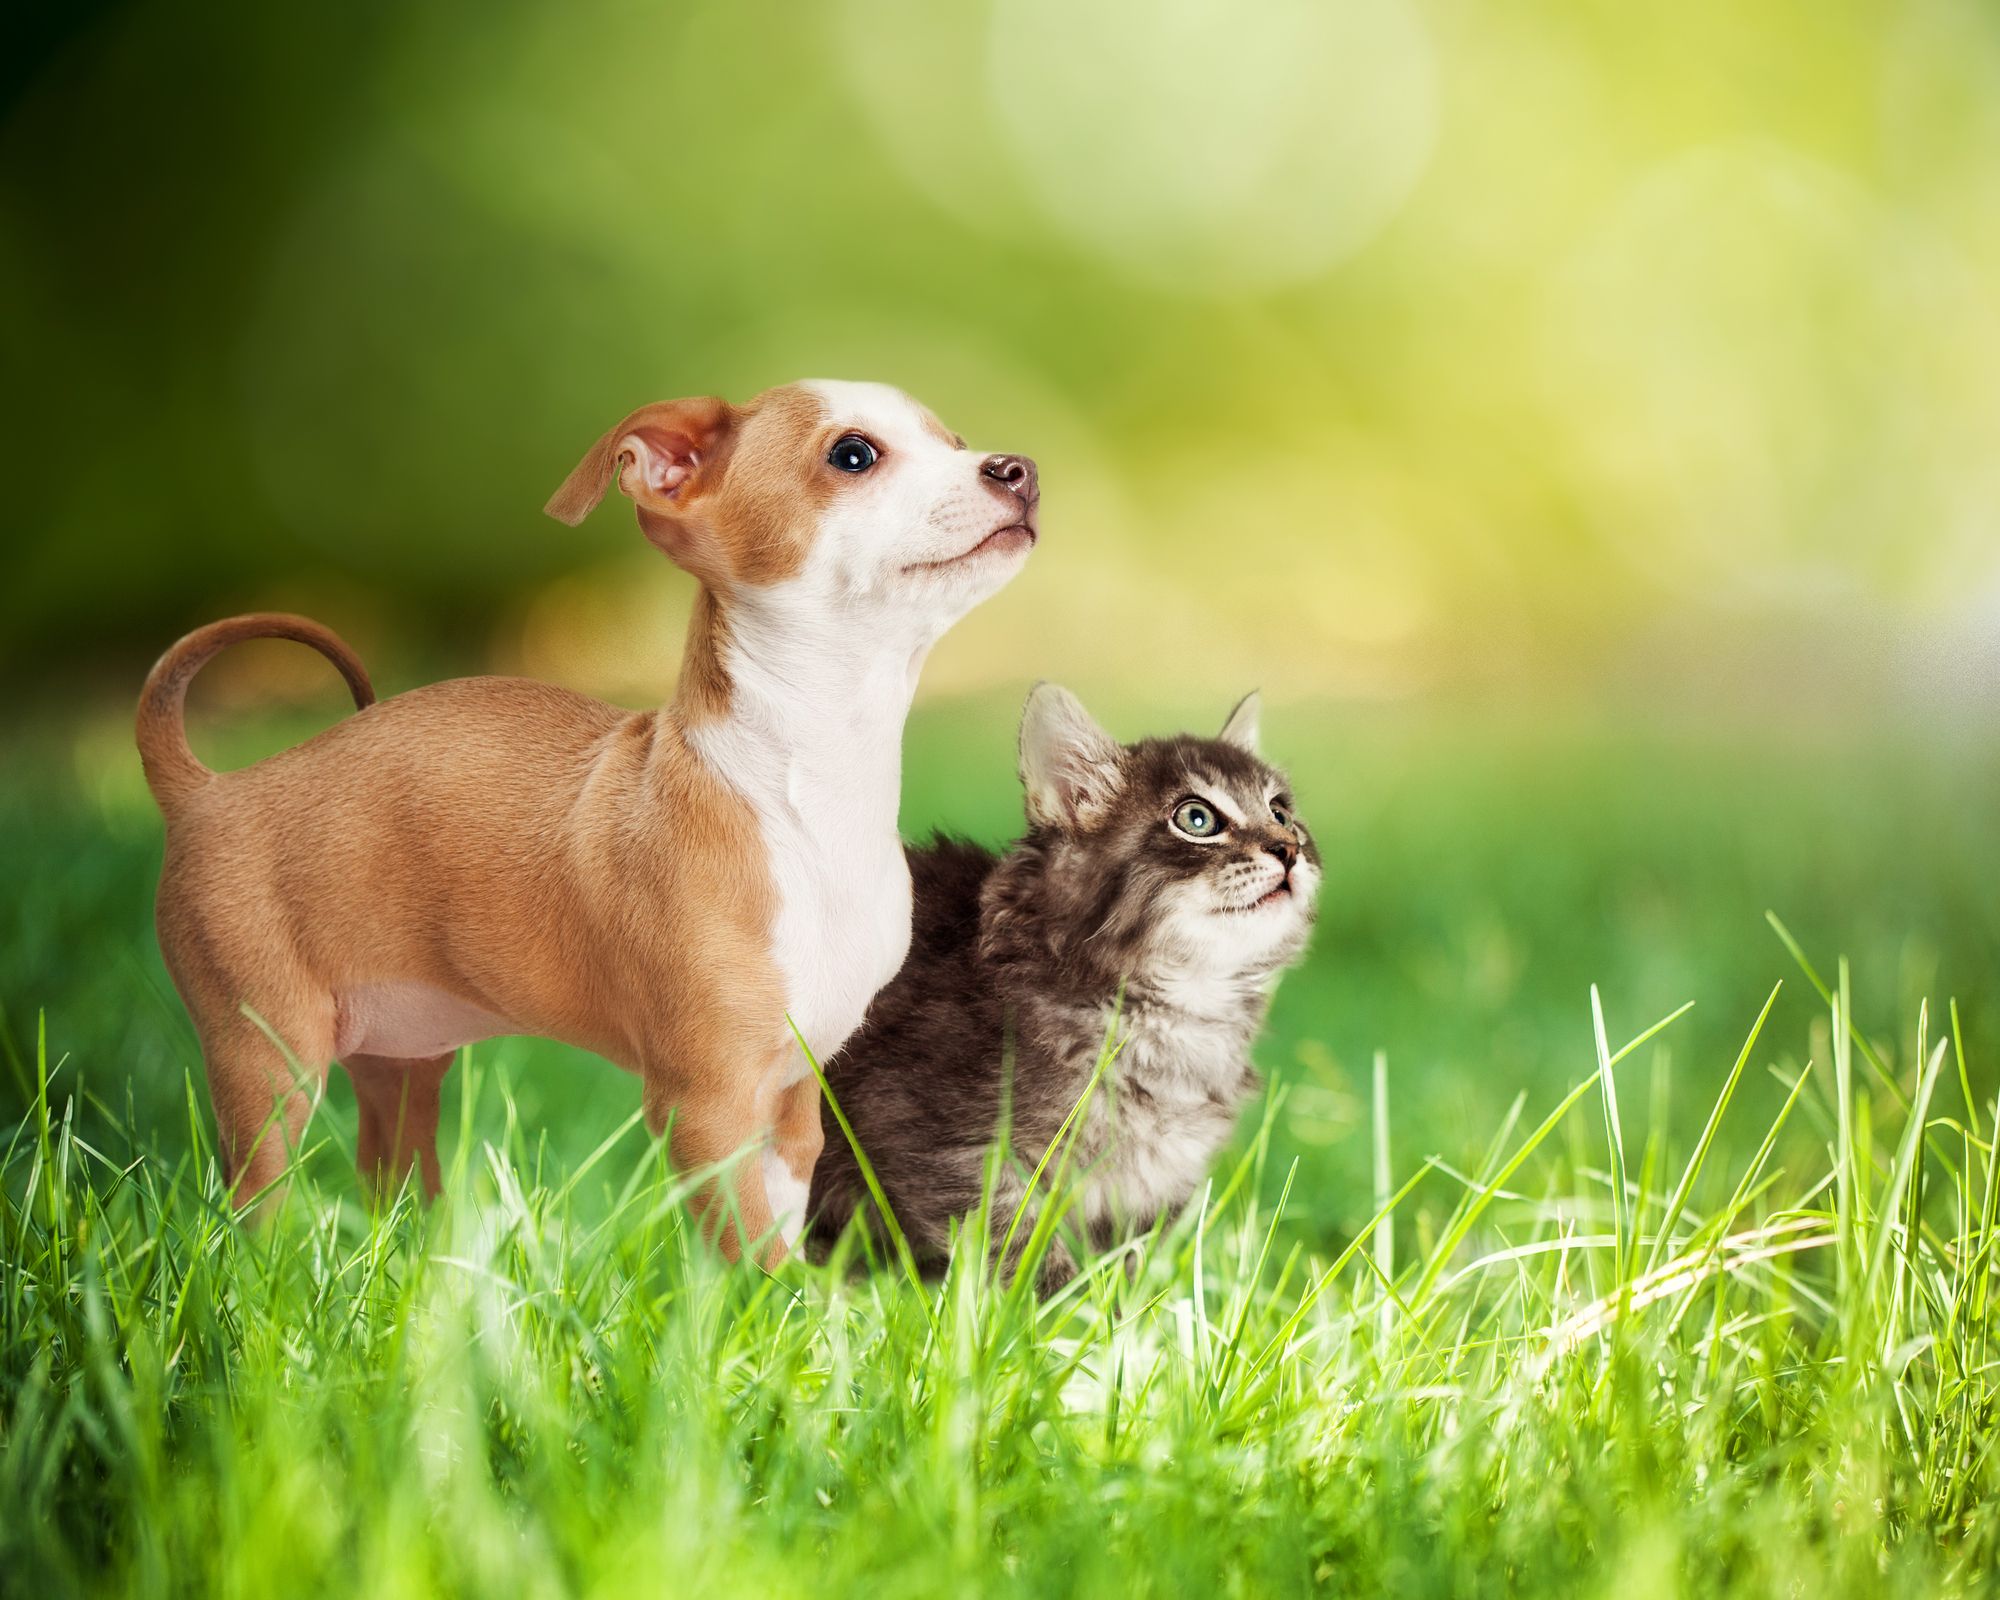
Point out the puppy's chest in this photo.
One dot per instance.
(843, 922)
(825, 802)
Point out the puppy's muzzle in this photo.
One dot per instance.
(1015, 475)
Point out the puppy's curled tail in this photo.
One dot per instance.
(172, 772)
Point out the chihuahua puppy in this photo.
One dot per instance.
(671, 889)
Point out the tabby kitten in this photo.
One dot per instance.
(1176, 868)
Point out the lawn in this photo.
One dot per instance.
(1551, 1306)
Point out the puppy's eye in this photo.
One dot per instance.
(1197, 819)
(1280, 815)
(851, 453)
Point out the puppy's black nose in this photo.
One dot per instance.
(1015, 473)
(1286, 849)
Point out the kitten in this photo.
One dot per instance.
(1176, 868)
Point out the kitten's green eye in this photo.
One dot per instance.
(1280, 815)
(1197, 819)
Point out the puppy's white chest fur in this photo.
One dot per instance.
(843, 923)
(823, 773)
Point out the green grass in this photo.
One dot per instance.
(1709, 1312)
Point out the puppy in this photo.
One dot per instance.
(665, 888)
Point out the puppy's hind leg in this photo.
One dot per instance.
(399, 1102)
(264, 1090)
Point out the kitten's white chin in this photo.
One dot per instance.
(1244, 939)
(1294, 892)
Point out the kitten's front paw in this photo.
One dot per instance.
(1057, 1269)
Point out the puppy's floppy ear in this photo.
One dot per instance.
(664, 455)
(1241, 728)
(1069, 765)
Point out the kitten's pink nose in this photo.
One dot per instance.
(1285, 848)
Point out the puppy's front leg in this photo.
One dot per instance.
(797, 1140)
(708, 1129)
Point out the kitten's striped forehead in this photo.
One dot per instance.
(1213, 767)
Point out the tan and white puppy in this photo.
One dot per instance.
(665, 888)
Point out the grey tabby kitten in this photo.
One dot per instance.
(1176, 868)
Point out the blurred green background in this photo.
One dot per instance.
(1583, 420)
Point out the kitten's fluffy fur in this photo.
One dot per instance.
(1018, 960)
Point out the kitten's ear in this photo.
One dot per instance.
(1241, 728)
(1069, 765)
